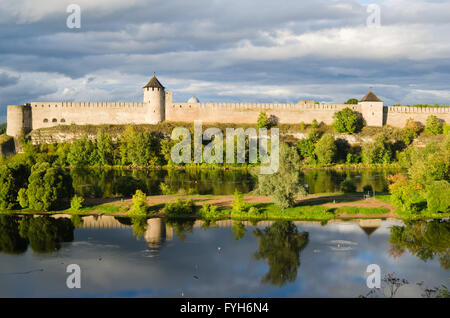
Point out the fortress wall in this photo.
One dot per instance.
(48, 114)
(396, 116)
(247, 113)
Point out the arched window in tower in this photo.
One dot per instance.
(54, 120)
(62, 120)
(45, 120)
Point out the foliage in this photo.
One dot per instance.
(283, 185)
(367, 188)
(411, 131)
(302, 126)
(352, 101)
(378, 151)
(76, 203)
(347, 121)
(211, 211)
(433, 125)
(315, 124)
(347, 186)
(438, 196)
(12, 178)
(47, 187)
(239, 230)
(179, 208)
(139, 206)
(127, 185)
(263, 121)
(325, 149)
(280, 245)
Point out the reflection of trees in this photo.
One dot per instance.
(10, 240)
(139, 226)
(181, 227)
(239, 230)
(45, 234)
(280, 245)
(424, 239)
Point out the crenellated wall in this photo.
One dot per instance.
(396, 116)
(248, 113)
(48, 114)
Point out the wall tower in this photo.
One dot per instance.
(154, 97)
(18, 120)
(372, 109)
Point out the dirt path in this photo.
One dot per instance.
(331, 201)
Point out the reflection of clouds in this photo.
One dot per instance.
(123, 271)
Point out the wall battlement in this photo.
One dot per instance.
(158, 106)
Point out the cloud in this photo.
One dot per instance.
(224, 51)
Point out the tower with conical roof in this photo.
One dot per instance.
(154, 98)
(372, 109)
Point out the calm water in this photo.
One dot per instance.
(99, 182)
(124, 257)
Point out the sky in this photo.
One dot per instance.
(225, 51)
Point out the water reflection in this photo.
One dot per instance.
(280, 245)
(99, 182)
(424, 239)
(125, 257)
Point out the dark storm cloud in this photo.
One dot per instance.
(225, 50)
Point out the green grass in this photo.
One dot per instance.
(351, 210)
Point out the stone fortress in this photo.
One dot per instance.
(158, 106)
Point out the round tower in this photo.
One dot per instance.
(18, 120)
(154, 97)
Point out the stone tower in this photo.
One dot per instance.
(372, 109)
(154, 97)
(18, 120)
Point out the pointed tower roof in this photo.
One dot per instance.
(153, 82)
(370, 97)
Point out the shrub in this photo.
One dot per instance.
(139, 206)
(325, 149)
(438, 196)
(446, 129)
(348, 186)
(263, 121)
(352, 101)
(302, 126)
(76, 203)
(347, 121)
(367, 188)
(238, 205)
(179, 208)
(210, 211)
(47, 187)
(315, 124)
(433, 125)
(378, 151)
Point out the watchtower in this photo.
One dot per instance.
(154, 97)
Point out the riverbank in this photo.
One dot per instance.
(315, 207)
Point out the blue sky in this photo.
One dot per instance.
(268, 51)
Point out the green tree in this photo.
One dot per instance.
(325, 149)
(105, 149)
(263, 120)
(76, 203)
(139, 206)
(238, 205)
(378, 151)
(352, 101)
(410, 131)
(315, 124)
(12, 178)
(433, 125)
(47, 187)
(127, 185)
(82, 153)
(283, 185)
(347, 121)
(348, 186)
(280, 245)
(438, 196)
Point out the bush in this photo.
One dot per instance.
(348, 186)
(238, 205)
(438, 196)
(76, 203)
(352, 101)
(47, 187)
(411, 131)
(367, 188)
(378, 151)
(210, 211)
(434, 126)
(139, 206)
(347, 121)
(325, 149)
(179, 208)
(302, 126)
(263, 121)
(315, 124)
